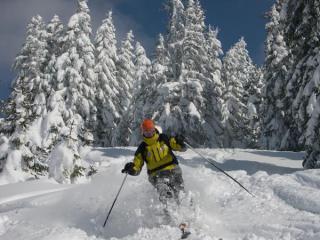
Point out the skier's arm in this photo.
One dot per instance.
(177, 143)
(134, 168)
(138, 160)
(138, 163)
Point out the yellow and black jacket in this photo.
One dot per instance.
(157, 153)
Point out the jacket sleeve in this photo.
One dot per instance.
(138, 160)
(176, 146)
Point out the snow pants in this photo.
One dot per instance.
(169, 184)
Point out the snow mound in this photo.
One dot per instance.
(164, 233)
(61, 160)
(302, 191)
(68, 234)
(285, 206)
(4, 222)
(12, 171)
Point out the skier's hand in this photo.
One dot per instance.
(128, 168)
(180, 139)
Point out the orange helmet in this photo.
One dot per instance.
(147, 125)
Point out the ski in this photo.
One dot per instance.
(184, 231)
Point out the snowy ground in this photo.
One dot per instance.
(286, 205)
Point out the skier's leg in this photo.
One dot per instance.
(165, 193)
(161, 183)
(164, 190)
(177, 182)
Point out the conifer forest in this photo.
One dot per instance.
(75, 88)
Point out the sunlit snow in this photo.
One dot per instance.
(286, 205)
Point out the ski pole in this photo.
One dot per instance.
(209, 161)
(125, 178)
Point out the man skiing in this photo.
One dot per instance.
(162, 165)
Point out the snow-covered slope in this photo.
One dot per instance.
(286, 205)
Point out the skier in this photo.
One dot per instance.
(162, 165)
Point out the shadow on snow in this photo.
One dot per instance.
(289, 155)
(251, 167)
(116, 152)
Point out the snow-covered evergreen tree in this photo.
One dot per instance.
(254, 89)
(137, 110)
(303, 82)
(109, 89)
(213, 93)
(175, 37)
(166, 109)
(42, 129)
(159, 73)
(303, 40)
(76, 92)
(76, 66)
(179, 105)
(292, 74)
(26, 102)
(48, 87)
(132, 118)
(126, 70)
(237, 70)
(125, 77)
(160, 63)
(142, 66)
(275, 127)
(55, 31)
(194, 77)
(29, 67)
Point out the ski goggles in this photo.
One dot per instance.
(148, 133)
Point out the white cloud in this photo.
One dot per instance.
(15, 15)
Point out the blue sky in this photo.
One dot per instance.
(147, 18)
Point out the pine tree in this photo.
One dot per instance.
(159, 72)
(215, 88)
(193, 75)
(56, 31)
(160, 63)
(303, 79)
(76, 96)
(109, 89)
(175, 37)
(125, 77)
(275, 126)
(26, 102)
(293, 60)
(179, 105)
(76, 66)
(126, 71)
(137, 110)
(142, 66)
(254, 89)
(130, 122)
(237, 70)
(43, 124)
(166, 70)
(300, 89)
(158, 76)
(29, 67)
(163, 93)
(55, 41)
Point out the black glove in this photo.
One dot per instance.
(180, 140)
(128, 168)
